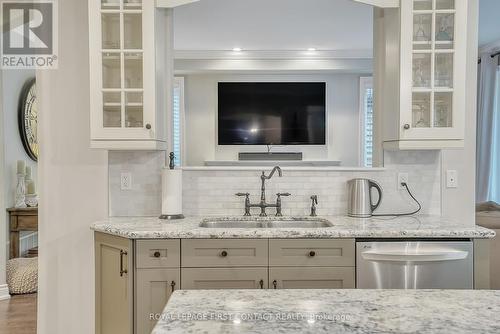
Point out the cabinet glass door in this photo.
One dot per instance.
(122, 63)
(433, 63)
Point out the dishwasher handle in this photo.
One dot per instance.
(395, 256)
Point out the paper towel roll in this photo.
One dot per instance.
(171, 191)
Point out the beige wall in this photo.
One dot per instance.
(73, 183)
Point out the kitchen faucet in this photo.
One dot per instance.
(262, 204)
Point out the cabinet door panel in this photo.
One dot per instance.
(224, 252)
(311, 252)
(153, 289)
(113, 285)
(223, 278)
(312, 278)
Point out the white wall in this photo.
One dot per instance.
(274, 25)
(4, 291)
(460, 202)
(73, 183)
(342, 108)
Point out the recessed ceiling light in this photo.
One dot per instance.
(237, 49)
(311, 49)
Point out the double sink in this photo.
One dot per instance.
(274, 222)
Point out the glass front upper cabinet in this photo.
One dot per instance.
(122, 63)
(433, 63)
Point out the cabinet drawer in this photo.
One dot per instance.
(311, 252)
(224, 253)
(312, 278)
(158, 253)
(223, 278)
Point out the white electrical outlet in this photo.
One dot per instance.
(451, 178)
(402, 178)
(126, 181)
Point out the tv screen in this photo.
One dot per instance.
(271, 113)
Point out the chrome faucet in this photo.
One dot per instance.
(262, 204)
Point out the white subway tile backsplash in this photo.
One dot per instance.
(211, 192)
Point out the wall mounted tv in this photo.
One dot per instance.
(271, 113)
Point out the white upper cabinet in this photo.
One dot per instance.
(131, 73)
(428, 112)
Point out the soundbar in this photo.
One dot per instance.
(283, 156)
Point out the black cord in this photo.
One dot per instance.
(402, 214)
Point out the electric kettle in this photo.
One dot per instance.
(360, 202)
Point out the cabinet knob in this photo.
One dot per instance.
(148, 126)
(223, 254)
(406, 126)
(156, 254)
(312, 253)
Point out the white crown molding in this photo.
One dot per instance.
(381, 3)
(274, 54)
(490, 47)
(4, 292)
(190, 66)
(173, 3)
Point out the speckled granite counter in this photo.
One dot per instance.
(331, 311)
(343, 227)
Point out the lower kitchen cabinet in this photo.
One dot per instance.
(135, 278)
(224, 278)
(153, 289)
(113, 285)
(312, 277)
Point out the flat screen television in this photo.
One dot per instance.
(271, 113)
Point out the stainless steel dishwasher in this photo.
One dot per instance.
(414, 264)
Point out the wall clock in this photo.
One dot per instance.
(28, 118)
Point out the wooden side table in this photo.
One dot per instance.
(20, 219)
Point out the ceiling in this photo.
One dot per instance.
(273, 25)
(489, 21)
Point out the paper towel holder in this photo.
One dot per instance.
(176, 216)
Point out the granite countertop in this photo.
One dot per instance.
(331, 311)
(422, 226)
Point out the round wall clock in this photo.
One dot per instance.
(28, 119)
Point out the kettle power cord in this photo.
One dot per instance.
(402, 214)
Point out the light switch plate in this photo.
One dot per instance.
(451, 178)
(126, 181)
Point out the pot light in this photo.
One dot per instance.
(237, 49)
(311, 49)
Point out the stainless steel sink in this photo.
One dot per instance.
(271, 222)
(230, 224)
(300, 224)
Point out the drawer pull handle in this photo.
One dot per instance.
(312, 253)
(172, 285)
(223, 254)
(275, 284)
(156, 254)
(261, 283)
(122, 271)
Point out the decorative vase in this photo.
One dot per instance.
(20, 192)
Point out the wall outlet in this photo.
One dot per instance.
(126, 181)
(451, 178)
(402, 178)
